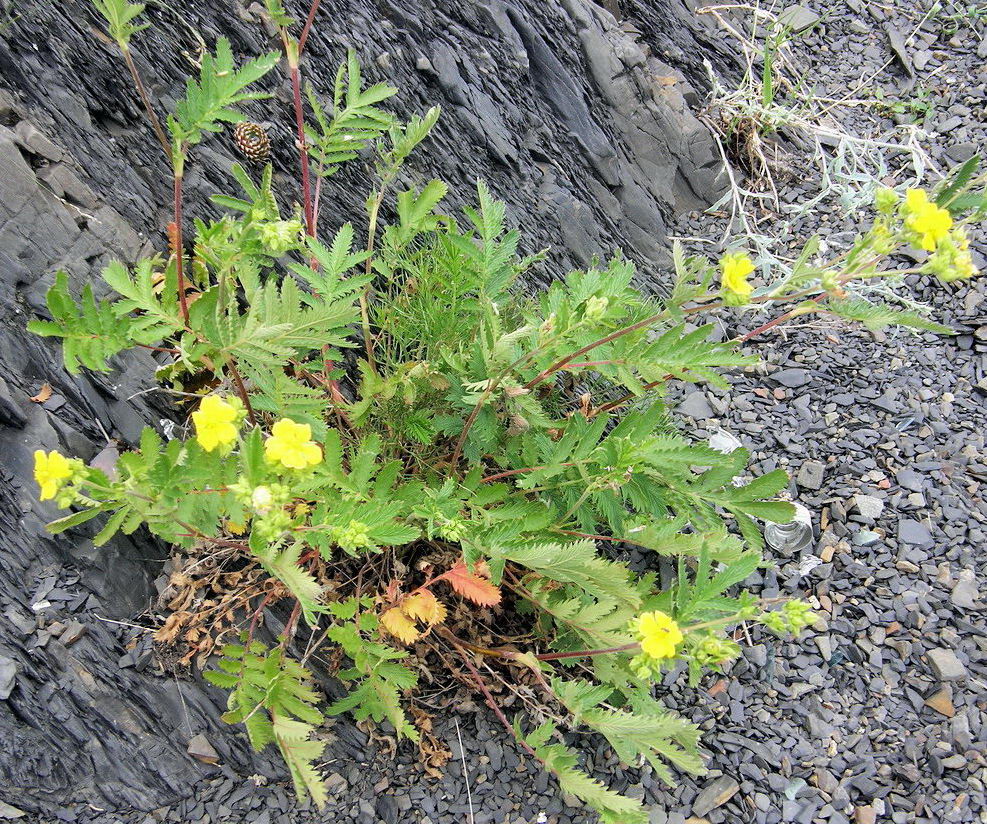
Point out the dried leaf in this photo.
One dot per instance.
(396, 623)
(172, 625)
(424, 607)
(43, 394)
(471, 586)
(432, 751)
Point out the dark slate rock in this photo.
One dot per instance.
(914, 533)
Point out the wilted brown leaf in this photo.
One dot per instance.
(172, 626)
(43, 394)
(425, 607)
(396, 623)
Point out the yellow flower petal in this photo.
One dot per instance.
(51, 470)
(290, 445)
(215, 422)
(930, 223)
(735, 268)
(659, 634)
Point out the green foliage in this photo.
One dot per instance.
(878, 315)
(270, 696)
(91, 331)
(276, 11)
(120, 16)
(353, 122)
(379, 680)
(395, 434)
(642, 730)
(613, 807)
(208, 103)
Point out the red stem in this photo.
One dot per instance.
(146, 100)
(242, 392)
(167, 349)
(772, 323)
(559, 364)
(289, 628)
(612, 539)
(510, 472)
(179, 252)
(308, 26)
(583, 653)
(296, 90)
(583, 364)
(478, 680)
(256, 618)
(630, 395)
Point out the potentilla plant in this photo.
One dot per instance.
(444, 503)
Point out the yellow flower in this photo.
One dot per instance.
(736, 267)
(659, 634)
(292, 446)
(925, 219)
(51, 470)
(216, 422)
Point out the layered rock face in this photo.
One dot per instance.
(579, 120)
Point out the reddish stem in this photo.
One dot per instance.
(146, 100)
(583, 653)
(296, 91)
(780, 319)
(559, 364)
(179, 252)
(289, 628)
(242, 392)
(509, 472)
(167, 349)
(630, 395)
(478, 680)
(612, 539)
(583, 364)
(257, 613)
(308, 26)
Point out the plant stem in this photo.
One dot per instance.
(780, 319)
(559, 364)
(583, 653)
(296, 91)
(146, 100)
(167, 349)
(586, 364)
(315, 203)
(509, 472)
(610, 538)
(313, 9)
(607, 407)
(373, 214)
(256, 617)
(241, 391)
(179, 251)
(483, 397)
(289, 628)
(478, 680)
